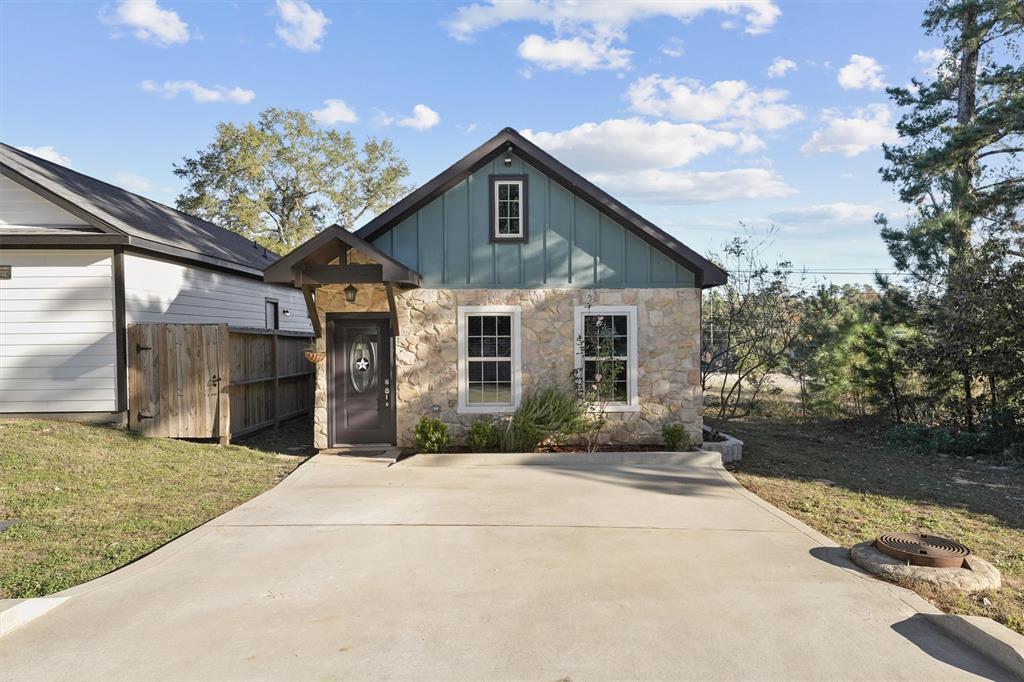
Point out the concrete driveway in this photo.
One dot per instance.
(352, 570)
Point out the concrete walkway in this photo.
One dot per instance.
(358, 570)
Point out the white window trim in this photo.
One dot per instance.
(632, 404)
(517, 366)
(497, 203)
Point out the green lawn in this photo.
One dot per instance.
(89, 499)
(842, 478)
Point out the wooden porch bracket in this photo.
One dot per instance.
(392, 308)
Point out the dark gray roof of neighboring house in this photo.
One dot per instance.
(145, 224)
(706, 273)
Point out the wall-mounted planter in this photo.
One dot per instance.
(731, 448)
(316, 356)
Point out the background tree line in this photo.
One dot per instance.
(940, 351)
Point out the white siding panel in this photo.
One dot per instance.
(160, 291)
(57, 341)
(20, 207)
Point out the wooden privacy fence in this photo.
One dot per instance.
(215, 381)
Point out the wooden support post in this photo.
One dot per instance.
(224, 376)
(274, 363)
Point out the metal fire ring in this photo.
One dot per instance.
(923, 550)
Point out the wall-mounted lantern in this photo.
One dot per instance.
(350, 293)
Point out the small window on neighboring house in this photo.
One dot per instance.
(273, 322)
(489, 359)
(508, 208)
(606, 355)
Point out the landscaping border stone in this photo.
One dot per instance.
(731, 448)
(980, 576)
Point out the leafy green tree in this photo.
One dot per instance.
(280, 179)
(824, 356)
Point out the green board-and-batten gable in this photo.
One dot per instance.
(579, 236)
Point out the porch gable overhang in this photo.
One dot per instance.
(322, 260)
(312, 263)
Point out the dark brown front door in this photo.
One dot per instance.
(361, 405)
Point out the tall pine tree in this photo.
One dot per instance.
(958, 166)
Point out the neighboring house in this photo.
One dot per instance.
(80, 259)
(474, 290)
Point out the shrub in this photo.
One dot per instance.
(548, 413)
(431, 435)
(676, 437)
(482, 436)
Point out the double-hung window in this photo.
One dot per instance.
(606, 355)
(508, 208)
(489, 358)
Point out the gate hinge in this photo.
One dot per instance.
(139, 349)
(139, 417)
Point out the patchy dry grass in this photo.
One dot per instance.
(841, 478)
(89, 499)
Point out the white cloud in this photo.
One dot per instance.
(49, 153)
(839, 213)
(303, 26)
(640, 159)
(673, 48)
(780, 66)
(574, 54)
(678, 187)
(586, 32)
(634, 144)
(148, 21)
(861, 72)
(200, 93)
(603, 17)
(933, 60)
(333, 112)
(423, 118)
(731, 103)
(134, 183)
(867, 129)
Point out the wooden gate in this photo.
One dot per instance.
(212, 381)
(177, 380)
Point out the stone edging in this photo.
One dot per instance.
(731, 448)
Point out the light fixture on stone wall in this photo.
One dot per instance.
(350, 293)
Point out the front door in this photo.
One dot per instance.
(360, 387)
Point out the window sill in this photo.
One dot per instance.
(622, 407)
(485, 409)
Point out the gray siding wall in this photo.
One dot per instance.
(158, 291)
(571, 244)
(57, 342)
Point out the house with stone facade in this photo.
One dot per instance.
(489, 281)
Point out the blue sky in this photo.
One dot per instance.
(674, 108)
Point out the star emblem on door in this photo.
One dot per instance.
(362, 364)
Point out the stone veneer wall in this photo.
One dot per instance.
(426, 352)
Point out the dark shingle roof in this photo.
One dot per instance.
(148, 224)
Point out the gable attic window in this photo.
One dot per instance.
(508, 208)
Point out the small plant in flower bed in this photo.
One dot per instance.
(676, 437)
(548, 414)
(431, 435)
(482, 436)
